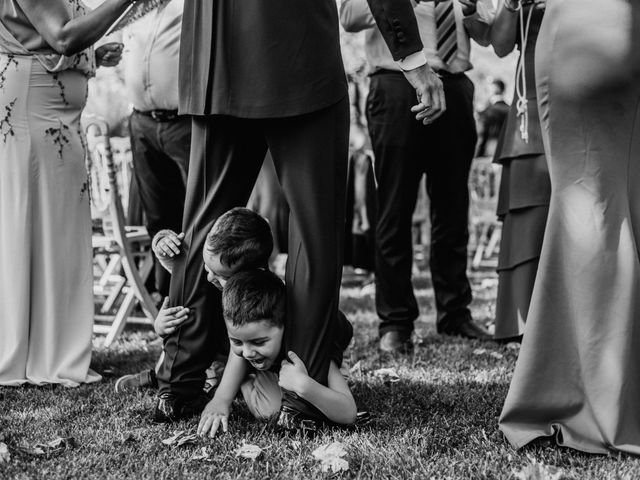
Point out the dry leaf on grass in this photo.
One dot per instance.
(202, 455)
(539, 471)
(480, 351)
(246, 450)
(5, 456)
(497, 355)
(181, 438)
(387, 374)
(330, 457)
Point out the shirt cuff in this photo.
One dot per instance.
(413, 61)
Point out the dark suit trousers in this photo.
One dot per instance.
(310, 156)
(160, 152)
(405, 150)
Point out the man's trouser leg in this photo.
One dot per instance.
(160, 152)
(226, 155)
(452, 140)
(394, 135)
(310, 155)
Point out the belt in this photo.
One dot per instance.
(159, 115)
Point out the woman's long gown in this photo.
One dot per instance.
(523, 201)
(577, 374)
(46, 301)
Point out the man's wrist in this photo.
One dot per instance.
(413, 61)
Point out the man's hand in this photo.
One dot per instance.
(469, 7)
(169, 319)
(109, 54)
(214, 415)
(430, 93)
(293, 374)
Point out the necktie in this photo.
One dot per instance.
(446, 31)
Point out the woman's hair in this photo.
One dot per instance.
(252, 296)
(241, 236)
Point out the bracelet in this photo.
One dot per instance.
(510, 8)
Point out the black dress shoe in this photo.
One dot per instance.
(396, 342)
(172, 408)
(468, 329)
(293, 421)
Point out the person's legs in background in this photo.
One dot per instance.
(451, 141)
(394, 132)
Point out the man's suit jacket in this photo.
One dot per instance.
(274, 58)
(260, 58)
(397, 23)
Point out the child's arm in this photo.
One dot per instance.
(166, 244)
(335, 400)
(169, 318)
(217, 411)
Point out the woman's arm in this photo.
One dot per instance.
(67, 35)
(335, 400)
(504, 28)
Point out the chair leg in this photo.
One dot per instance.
(116, 290)
(121, 318)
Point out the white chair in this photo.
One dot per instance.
(122, 254)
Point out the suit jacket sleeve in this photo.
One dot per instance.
(398, 26)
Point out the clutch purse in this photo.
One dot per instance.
(134, 12)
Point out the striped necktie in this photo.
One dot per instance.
(446, 31)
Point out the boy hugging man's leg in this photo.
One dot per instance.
(254, 312)
(239, 240)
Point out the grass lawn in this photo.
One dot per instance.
(439, 420)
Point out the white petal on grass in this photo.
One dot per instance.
(538, 471)
(174, 438)
(246, 450)
(5, 456)
(330, 457)
(202, 455)
(387, 374)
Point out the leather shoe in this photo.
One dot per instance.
(468, 329)
(291, 420)
(396, 342)
(172, 408)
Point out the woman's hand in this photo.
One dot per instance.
(109, 54)
(214, 415)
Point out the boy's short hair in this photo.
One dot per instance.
(254, 295)
(240, 236)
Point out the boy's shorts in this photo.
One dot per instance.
(262, 394)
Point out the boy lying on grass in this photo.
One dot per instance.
(239, 240)
(254, 307)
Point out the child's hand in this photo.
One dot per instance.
(168, 245)
(169, 319)
(293, 374)
(216, 413)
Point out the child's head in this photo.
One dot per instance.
(239, 240)
(253, 304)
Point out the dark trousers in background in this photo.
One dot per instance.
(310, 157)
(405, 150)
(160, 151)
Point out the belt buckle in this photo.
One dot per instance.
(155, 116)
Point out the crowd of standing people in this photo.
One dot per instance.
(216, 89)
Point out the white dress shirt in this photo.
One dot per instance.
(356, 16)
(150, 58)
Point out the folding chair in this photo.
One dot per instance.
(485, 229)
(122, 254)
